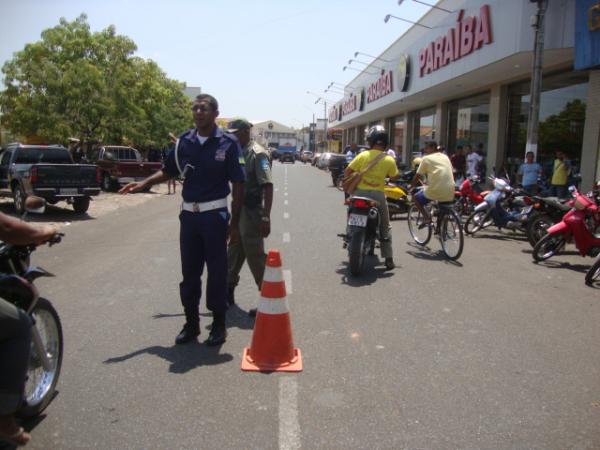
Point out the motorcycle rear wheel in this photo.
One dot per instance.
(593, 274)
(415, 219)
(41, 383)
(548, 246)
(356, 252)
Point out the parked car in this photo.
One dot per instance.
(47, 171)
(315, 158)
(323, 160)
(120, 165)
(287, 157)
(306, 156)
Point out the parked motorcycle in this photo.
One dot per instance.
(468, 196)
(397, 199)
(17, 276)
(503, 207)
(361, 232)
(593, 274)
(580, 224)
(546, 212)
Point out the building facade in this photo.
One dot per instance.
(270, 133)
(463, 78)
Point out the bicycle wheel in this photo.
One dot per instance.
(451, 235)
(420, 235)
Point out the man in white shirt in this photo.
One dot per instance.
(473, 160)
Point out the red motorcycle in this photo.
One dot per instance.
(579, 224)
(468, 196)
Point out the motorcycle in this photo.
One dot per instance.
(468, 196)
(491, 210)
(593, 273)
(546, 212)
(17, 276)
(397, 199)
(362, 231)
(580, 224)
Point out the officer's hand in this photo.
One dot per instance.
(233, 235)
(265, 229)
(131, 187)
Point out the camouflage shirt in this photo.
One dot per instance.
(258, 173)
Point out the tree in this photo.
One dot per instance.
(89, 85)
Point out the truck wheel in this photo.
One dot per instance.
(107, 183)
(81, 205)
(19, 199)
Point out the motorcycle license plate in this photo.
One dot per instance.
(357, 220)
(68, 191)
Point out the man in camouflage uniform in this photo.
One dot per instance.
(255, 224)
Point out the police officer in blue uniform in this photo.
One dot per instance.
(207, 159)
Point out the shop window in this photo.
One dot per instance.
(562, 118)
(468, 123)
(397, 136)
(423, 129)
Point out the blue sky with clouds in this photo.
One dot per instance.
(257, 57)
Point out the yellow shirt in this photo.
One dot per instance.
(440, 181)
(561, 173)
(374, 179)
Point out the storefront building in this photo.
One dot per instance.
(462, 78)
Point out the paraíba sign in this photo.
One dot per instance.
(380, 88)
(469, 34)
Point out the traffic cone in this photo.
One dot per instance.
(272, 349)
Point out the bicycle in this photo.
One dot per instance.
(447, 227)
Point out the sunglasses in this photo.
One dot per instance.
(203, 108)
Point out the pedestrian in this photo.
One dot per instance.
(459, 161)
(528, 174)
(351, 153)
(208, 160)
(171, 182)
(560, 176)
(255, 217)
(76, 150)
(473, 160)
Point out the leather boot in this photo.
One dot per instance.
(186, 335)
(218, 331)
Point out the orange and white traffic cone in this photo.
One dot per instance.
(272, 348)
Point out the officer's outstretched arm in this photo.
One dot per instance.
(136, 186)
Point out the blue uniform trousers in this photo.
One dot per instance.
(203, 239)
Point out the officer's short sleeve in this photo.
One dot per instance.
(235, 162)
(262, 169)
(169, 166)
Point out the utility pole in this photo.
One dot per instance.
(325, 124)
(537, 22)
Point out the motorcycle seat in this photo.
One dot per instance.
(557, 203)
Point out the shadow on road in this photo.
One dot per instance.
(428, 254)
(369, 275)
(183, 358)
(554, 264)
(236, 318)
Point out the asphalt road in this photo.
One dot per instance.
(492, 352)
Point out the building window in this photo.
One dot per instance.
(468, 123)
(396, 128)
(562, 118)
(423, 129)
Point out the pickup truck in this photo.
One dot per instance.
(47, 171)
(120, 165)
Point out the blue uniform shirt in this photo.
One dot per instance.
(216, 162)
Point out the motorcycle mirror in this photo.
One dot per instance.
(36, 205)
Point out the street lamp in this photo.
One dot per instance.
(357, 70)
(428, 4)
(370, 56)
(329, 89)
(319, 96)
(350, 61)
(389, 16)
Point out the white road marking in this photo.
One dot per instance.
(289, 428)
(287, 277)
(286, 215)
(286, 237)
(285, 202)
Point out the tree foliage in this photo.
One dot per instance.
(78, 83)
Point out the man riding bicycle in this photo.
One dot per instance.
(436, 169)
(372, 184)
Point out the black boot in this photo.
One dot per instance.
(218, 332)
(230, 296)
(186, 335)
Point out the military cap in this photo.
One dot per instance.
(238, 124)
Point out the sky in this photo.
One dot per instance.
(258, 58)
